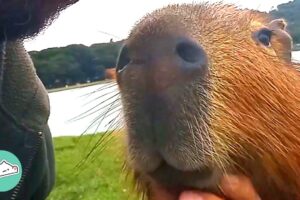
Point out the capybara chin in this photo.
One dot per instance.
(25, 18)
(201, 99)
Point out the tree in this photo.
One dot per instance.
(75, 63)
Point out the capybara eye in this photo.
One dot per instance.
(264, 36)
(123, 59)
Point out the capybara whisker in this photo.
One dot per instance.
(97, 108)
(107, 95)
(112, 110)
(112, 84)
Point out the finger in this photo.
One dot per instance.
(193, 195)
(238, 188)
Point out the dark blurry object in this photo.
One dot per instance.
(24, 103)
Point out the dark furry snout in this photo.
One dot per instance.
(26, 18)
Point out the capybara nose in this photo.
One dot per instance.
(192, 55)
(165, 61)
(175, 61)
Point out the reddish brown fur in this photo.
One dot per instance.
(281, 40)
(260, 120)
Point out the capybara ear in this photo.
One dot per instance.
(281, 42)
(278, 24)
(26, 18)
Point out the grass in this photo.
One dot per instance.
(100, 178)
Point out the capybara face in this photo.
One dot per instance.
(202, 99)
(25, 18)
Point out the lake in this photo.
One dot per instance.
(296, 56)
(86, 105)
(65, 105)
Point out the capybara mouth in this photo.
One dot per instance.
(169, 154)
(170, 177)
(167, 183)
(174, 181)
(164, 134)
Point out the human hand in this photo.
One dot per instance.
(233, 187)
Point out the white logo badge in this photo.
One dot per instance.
(7, 169)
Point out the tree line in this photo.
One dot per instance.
(74, 64)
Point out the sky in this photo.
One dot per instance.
(96, 21)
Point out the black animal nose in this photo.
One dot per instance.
(166, 61)
(192, 55)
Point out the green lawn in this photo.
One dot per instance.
(99, 178)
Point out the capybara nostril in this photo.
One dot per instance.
(123, 59)
(192, 54)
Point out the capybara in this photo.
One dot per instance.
(202, 100)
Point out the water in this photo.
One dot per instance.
(296, 56)
(68, 104)
(65, 105)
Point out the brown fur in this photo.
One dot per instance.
(243, 119)
(282, 42)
